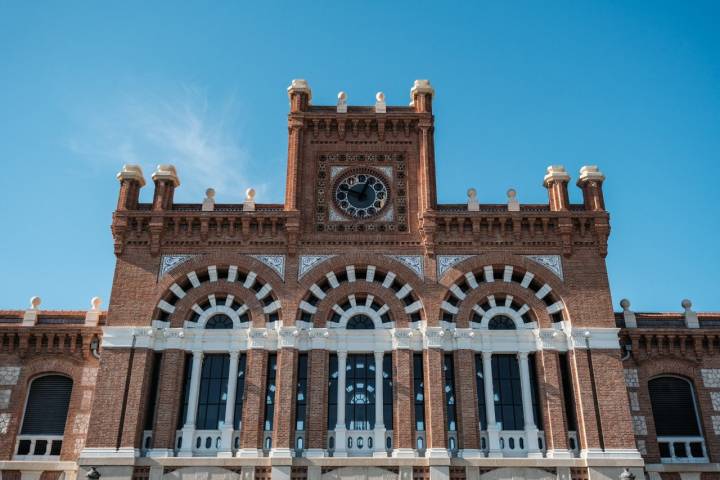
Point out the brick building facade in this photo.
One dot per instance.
(360, 329)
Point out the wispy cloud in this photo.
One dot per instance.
(181, 127)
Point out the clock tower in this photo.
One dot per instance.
(361, 170)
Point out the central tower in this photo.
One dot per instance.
(361, 170)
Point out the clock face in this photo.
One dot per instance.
(362, 194)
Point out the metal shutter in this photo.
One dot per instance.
(47, 406)
(673, 407)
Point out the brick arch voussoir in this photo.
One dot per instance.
(360, 260)
(473, 264)
(521, 295)
(243, 262)
(672, 366)
(183, 308)
(338, 295)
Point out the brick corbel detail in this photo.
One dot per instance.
(169, 407)
(253, 415)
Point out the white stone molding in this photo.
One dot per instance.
(716, 424)
(5, 398)
(9, 375)
(275, 262)
(375, 316)
(170, 262)
(4, 422)
(640, 426)
(635, 401)
(446, 262)
(715, 398)
(308, 262)
(551, 262)
(413, 262)
(219, 309)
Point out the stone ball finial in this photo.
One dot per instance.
(35, 302)
(210, 192)
(342, 96)
(686, 304)
(471, 193)
(380, 97)
(95, 303)
(625, 304)
(511, 193)
(250, 194)
(627, 475)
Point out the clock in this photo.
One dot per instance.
(361, 194)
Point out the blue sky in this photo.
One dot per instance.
(631, 86)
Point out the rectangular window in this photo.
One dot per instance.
(186, 390)
(508, 392)
(301, 393)
(480, 386)
(567, 389)
(419, 391)
(270, 391)
(240, 391)
(388, 391)
(153, 392)
(360, 392)
(449, 370)
(534, 391)
(213, 391)
(332, 391)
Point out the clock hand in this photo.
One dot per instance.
(361, 196)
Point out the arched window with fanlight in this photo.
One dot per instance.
(501, 322)
(45, 416)
(219, 321)
(360, 322)
(676, 418)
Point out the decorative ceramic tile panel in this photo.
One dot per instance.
(551, 262)
(413, 262)
(276, 262)
(446, 262)
(308, 262)
(169, 262)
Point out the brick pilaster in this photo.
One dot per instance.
(286, 384)
(169, 399)
(588, 433)
(466, 397)
(317, 414)
(435, 398)
(137, 398)
(107, 403)
(253, 414)
(612, 400)
(551, 399)
(403, 402)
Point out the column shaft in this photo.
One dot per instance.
(340, 432)
(189, 427)
(531, 431)
(227, 431)
(492, 427)
(379, 420)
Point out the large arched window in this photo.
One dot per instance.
(501, 322)
(675, 415)
(45, 414)
(219, 321)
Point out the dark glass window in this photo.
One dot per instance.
(47, 405)
(450, 403)
(270, 391)
(301, 393)
(419, 391)
(568, 393)
(332, 391)
(360, 322)
(501, 322)
(480, 385)
(239, 391)
(673, 407)
(388, 391)
(186, 390)
(507, 392)
(534, 391)
(219, 321)
(152, 400)
(360, 392)
(213, 391)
